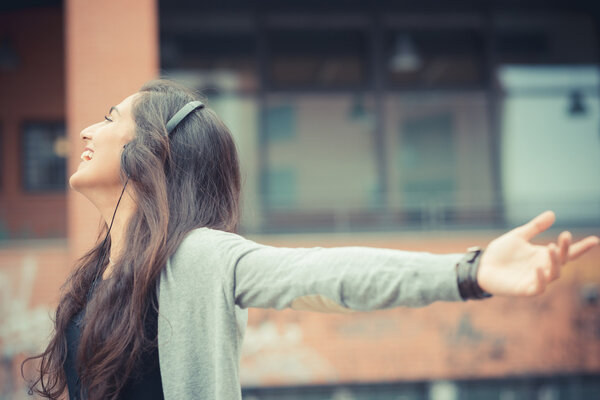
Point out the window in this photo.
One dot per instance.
(321, 167)
(550, 134)
(568, 39)
(317, 59)
(548, 75)
(430, 58)
(44, 149)
(438, 150)
(222, 61)
(357, 119)
(1, 157)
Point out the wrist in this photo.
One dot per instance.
(466, 275)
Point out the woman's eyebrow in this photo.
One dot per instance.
(116, 109)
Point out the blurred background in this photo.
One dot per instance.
(427, 126)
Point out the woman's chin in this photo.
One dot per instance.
(77, 180)
(73, 182)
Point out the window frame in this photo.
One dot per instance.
(55, 124)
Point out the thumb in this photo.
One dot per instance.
(536, 225)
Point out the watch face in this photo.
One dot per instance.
(472, 253)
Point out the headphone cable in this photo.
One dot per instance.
(103, 254)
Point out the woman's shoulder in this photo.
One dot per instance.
(197, 275)
(210, 245)
(201, 239)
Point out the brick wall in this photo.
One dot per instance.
(33, 91)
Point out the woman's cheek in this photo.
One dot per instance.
(97, 173)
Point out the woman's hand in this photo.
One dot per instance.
(511, 266)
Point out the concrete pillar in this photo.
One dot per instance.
(111, 50)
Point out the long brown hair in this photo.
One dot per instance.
(182, 181)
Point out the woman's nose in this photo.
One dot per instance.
(88, 132)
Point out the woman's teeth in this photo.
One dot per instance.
(87, 155)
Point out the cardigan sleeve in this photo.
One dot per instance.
(336, 279)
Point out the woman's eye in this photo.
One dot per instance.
(108, 119)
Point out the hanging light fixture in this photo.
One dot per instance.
(405, 57)
(358, 111)
(577, 105)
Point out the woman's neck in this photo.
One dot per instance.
(122, 216)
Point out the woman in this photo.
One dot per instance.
(157, 309)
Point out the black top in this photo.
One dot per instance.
(144, 384)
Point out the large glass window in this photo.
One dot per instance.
(438, 147)
(323, 59)
(44, 149)
(385, 120)
(421, 58)
(225, 60)
(550, 40)
(550, 134)
(321, 167)
(550, 113)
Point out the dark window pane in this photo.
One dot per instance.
(423, 58)
(282, 187)
(1, 164)
(427, 158)
(317, 59)
(219, 61)
(44, 157)
(440, 169)
(565, 40)
(321, 172)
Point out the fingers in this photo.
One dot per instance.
(559, 254)
(545, 275)
(541, 282)
(564, 241)
(579, 248)
(555, 262)
(536, 225)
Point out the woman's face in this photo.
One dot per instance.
(100, 165)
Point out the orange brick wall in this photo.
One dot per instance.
(34, 91)
(111, 50)
(31, 273)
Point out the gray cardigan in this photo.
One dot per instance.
(215, 275)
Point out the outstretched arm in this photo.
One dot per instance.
(512, 266)
(364, 278)
(340, 279)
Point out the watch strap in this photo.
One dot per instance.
(466, 275)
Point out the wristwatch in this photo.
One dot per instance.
(466, 275)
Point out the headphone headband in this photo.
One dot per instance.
(182, 113)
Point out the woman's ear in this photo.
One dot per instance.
(123, 160)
